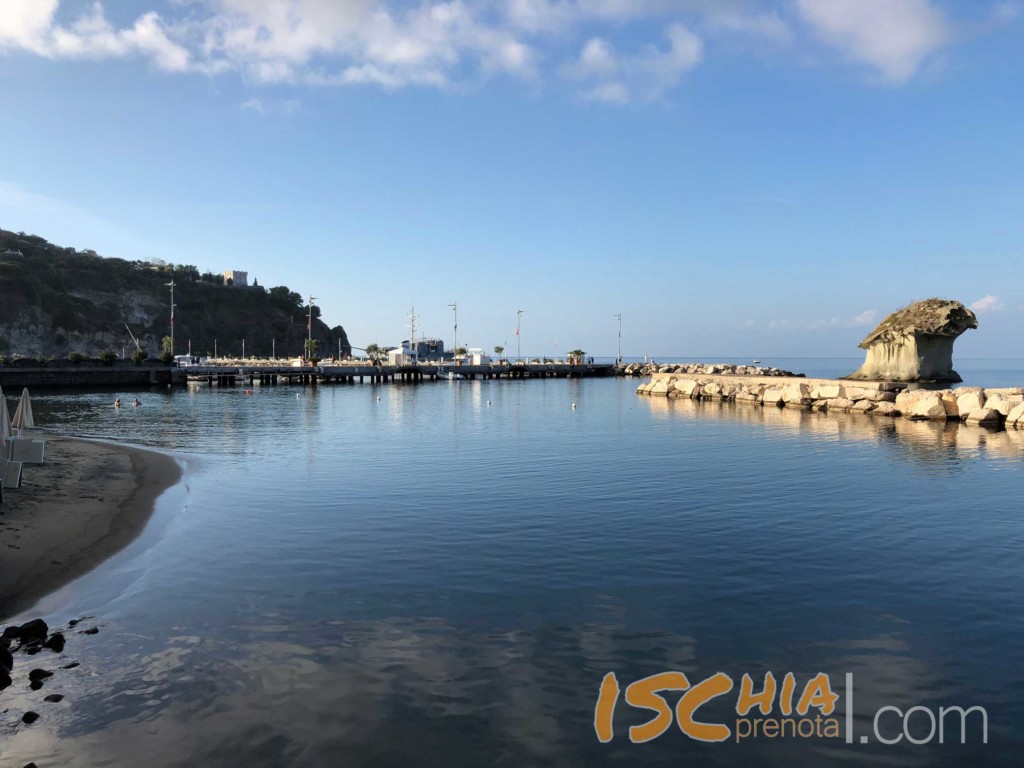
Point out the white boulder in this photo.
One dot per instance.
(970, 399)
(985, 417)
(927, 407)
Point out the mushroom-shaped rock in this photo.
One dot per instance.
(916, 343)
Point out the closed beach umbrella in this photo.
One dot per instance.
(23, 413)
(5, 425)
(5, 417)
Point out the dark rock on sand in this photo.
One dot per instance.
(5, 680)
(6, 660)
(31, 632)
(72, 665)
(53, 698)
(55, 643)
(39, 674)
(91, 631)
(29, 717)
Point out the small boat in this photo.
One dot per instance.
(450, 375)
(756, 361)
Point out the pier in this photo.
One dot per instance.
(351, 373)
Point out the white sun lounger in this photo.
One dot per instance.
(27, 451)
(10, 473)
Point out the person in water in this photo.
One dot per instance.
(117, 403)
(137, 402)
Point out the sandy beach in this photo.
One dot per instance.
(87, 502)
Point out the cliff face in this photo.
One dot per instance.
(916, 343)
(57, 301)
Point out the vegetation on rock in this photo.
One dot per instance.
(57, 301)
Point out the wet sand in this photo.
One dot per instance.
(87, 502)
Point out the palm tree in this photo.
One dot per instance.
(311, 346)
(576, 356)
(499, 350)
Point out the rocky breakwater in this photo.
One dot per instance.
(1003, 407)
(647, 369)
(971, 405)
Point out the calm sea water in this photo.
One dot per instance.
(444, 576)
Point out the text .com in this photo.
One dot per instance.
(776, 710)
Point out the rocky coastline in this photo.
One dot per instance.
(647, 369)
(987, 407)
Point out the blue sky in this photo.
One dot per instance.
(736, 178)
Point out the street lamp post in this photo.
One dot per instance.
(412, 335)
(309, 327)
(171, 286)
(519, 350)
(455, 308)
(619, 317)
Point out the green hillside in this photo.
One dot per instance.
(56, 301)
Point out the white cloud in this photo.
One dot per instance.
(608, 93)
(1008, 11)
(266, 107)
(988, 303)
(892, 36)
(685, 52)
(597, 59)
(444, 43)
(867, 318)
(765, 26)
(302, 40)
(648, 74)
(23, 23)
(29, 25)
(558, 15)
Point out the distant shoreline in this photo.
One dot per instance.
(85, 504)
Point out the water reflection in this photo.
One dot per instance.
(923, 442)
(385, 692)
(428, 579)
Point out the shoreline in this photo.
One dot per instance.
(86, 503)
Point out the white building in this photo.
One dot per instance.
(237, 277)
(476, 356)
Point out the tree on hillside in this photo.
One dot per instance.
(186, 273)
(285, 299)
(210, 277)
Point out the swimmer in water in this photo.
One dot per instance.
(117, 403)
(137, 403)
